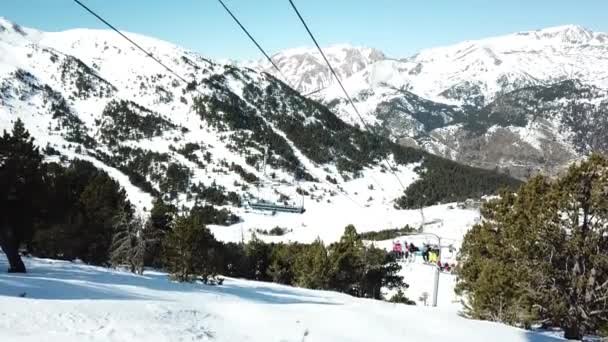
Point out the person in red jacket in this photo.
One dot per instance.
(397, 249)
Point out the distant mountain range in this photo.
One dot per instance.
(88, 94)
(525, 102)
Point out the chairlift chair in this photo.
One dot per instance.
(266, 205)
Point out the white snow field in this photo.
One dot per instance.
(64, 301)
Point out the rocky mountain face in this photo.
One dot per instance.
(509, 102)
(306, 70)
(88, 94)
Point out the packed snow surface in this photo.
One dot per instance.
(63, 301)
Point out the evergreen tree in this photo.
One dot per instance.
(400, 297)
(258, 254)
(21, 188)
(312, 266)
(346, 262)
(161, 214)
(82, 205)
(101, 201)
(541, 255)
(282, 267)
(575, 246)
(380, 270)
(234, 260)
(190, 250)
(158, 226)
(129, 242)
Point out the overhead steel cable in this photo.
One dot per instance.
(348, 98)
(238, 22)
(149, 54)
(339, 190)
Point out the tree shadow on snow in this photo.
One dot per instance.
(272, 295)
(532, 336)
(57, 289)
(63, 280)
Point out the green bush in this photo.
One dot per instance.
(400, 297)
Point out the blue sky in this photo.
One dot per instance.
(398, 27)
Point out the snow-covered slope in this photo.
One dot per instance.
(62, 301)
(306, 70)
(90, 95)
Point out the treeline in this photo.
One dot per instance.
(346, 266)
(78, 212)
(444, 181)
(387, 234)
(540, 257)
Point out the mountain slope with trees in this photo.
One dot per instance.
(522, 103)
(86, 94)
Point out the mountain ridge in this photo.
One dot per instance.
(422, 100)
(89, 95)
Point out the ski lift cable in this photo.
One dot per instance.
(148, 53)
(139, 47)
(285, 79)
(170, 70)
(348, 98)
(333, 187)
(238, 22)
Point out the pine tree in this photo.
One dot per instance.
(400, 297)
(258, 255)
(162, 214)
(21, 188)
(80, 209)
(282, 267)
(129, 242)
(541, 255)
(576, 244)
(346, 263)
(158, 226)
(380, 270)
(190, 250)
(312, 266)
(101, 201)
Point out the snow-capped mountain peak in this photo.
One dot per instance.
(481, 69)
(437, 96)
(306, 71)
(573, 34)
(12, 33)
